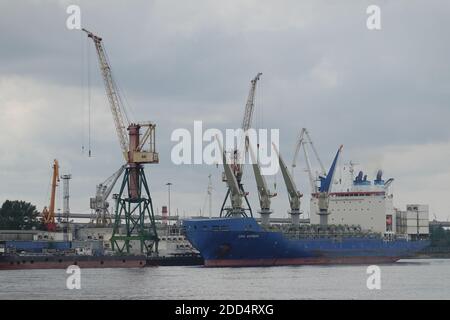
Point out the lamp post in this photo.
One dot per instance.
(168, 184)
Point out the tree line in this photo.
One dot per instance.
(19, 215)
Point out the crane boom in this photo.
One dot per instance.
(121, 122)
(236, 194)
(99, 203)
(250, 105)
(134, 195)
(49, 214)
(324, 191)
(246, 123)
(298, 145)
(291, 187)
(263, 192)
(111, 182)
(294, 194)
(322, 167)
(237, 166)
(312, 180)
(327, 180)
(303, 139)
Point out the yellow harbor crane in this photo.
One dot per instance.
(48, 214)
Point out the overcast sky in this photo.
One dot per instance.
(384, 94)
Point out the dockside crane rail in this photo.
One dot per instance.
(294, 194)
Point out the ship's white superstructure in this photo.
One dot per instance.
(370, 205)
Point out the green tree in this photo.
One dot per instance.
(18, 215)
(439, 236)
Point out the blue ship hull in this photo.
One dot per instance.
(237, 242)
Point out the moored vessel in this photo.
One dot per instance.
(52, 261)
(239, 242)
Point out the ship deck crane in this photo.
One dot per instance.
(264, 193)
(48, 214)
(293, 193)
(324, 191)
(137, 149)
(237, 158)
(235, 191)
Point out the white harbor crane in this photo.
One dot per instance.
(303, 140)
(235, 191)
(264, 193)
(99, 203)
(293, 193)
(237, 166)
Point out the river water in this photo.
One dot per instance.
(406, 279)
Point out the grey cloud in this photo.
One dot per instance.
(176, 62)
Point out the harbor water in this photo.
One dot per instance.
(406, 279)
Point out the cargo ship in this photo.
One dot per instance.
(241, 242)
(355, 226)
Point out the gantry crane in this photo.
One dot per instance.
(293, 193)
(100, 203)
(302, 141)
(48, 214)
(137, 149)
(264, 193)
(237, 158)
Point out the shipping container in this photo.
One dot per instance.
(414, 223)
(417, 215)
(37, 246)
(413, 230)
